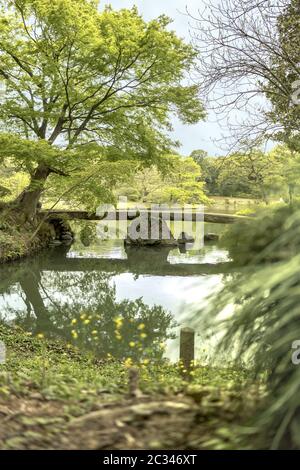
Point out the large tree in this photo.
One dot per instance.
(285, 100)
(254, 173)
(84, 87)
(179, 181)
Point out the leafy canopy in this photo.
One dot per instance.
(178, 182)
(74, 76)
(283, 90)
(254, 173)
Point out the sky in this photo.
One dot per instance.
(204, 134)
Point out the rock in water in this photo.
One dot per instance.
(55, 243)
(149, 230)
(211, 237)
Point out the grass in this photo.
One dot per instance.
(46, 385)
(61, 371)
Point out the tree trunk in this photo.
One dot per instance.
(291, 193)
(264, 195)
(27, 202)
(30, 287)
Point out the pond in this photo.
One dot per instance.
(122, 303)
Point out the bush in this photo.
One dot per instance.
(265, 320)
(271, 236)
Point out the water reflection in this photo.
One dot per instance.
(123, 303)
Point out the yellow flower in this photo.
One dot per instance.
(82, 316)
(74, 321)
(69, 345)
(132, 344)
(40, 336)
(143, 335)
(94, 332)
(117, 333)
(128, 362)
(146, 362)
(74, 334)
(118, 322)
(86, 322)
(141, 326)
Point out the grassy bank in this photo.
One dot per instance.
(16, 238)
(53, 396)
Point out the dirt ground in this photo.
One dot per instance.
(169, 422)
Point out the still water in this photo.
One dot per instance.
(123, 303)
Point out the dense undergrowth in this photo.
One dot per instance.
(259, 240)
(264, 324)
(16, 237)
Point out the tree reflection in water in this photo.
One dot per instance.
(81, 308)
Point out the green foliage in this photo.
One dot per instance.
(88, 234)
(4, 191)
(252, 174)
(257, 240)
(57, 371)
(262, 321)
(199, 156)
(13, 183)
(184, 182)
(72, 384)
(75, 76)
(62, 372)
(210, 169)
(92, 169)
(248, 211)
(15, 238)
(285, 67)
(177, 181)
(94, 321)
(246, 174)
(286, 172)
(143, 186)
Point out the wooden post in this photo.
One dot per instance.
(187, 350)
(133, 382)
